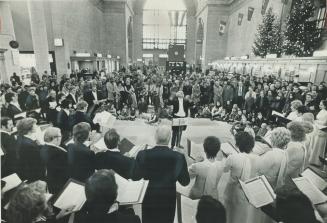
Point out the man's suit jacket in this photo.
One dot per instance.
(175, 104)
(89, 97)
(55, 161)
(63, 124)
(8, 160)
(116, 161)
(12, 110)
(81, 161)
(162, 167)
(31, 102)
(30, 165)
(81, 117)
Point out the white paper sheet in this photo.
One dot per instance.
(130, 192)
(319, 182)
(197, 150)
(73, 195)
(310, 190)
(258, 191)
(12, 181)
(228, 149)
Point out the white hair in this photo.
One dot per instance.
(163, 134)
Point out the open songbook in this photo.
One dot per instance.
(179, 122)
(312, 185)
(280, 117)
(258, 191)
(314, 177)
(72, 196)
(197, 150)
(125, 146)
(20, 115)
(228, 149)
(130, 192)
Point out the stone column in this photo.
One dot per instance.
(190, 38)
(39, 35)
(9, 60)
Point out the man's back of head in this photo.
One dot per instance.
(163, 134)
(210, 211)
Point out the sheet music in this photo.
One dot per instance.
(310, 190)
(228, 149)
(73, 195)
(319, 182)
(12, 181)
(278, 114)
(130, 191)
(197, 150)
(258, 191)
(20, 115)
(100, 145)
(179, 121)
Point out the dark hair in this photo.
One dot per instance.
(101, 190)
(111, 139)
(293, 206)
(302, 109)
(324, 102)
(9, 96)
(81, 132)
(244, 141)
(65, 103)
(211, 146)
(5, 120)
(210, 211)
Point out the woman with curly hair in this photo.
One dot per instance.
(28, 205)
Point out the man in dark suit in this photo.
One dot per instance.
(112, 158)
(81, 116)
(81, 160)
(8, 147)
(101, 206)
(239, 92)
(162, 167)
(92, 98)
(13, 107)
(32, 100)
(63, 120)
(30, 165)
(72, 96)
(180, 110)
(54, 158)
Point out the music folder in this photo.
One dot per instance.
(310, 190)
(258, 191)
(72, 196)
(179, 122)
(280, 117)
(20, 115)
(125, 146)
(315, 178)
(130, 192)
(228, 149)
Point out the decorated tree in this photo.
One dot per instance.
(301, 34)
(269, 38)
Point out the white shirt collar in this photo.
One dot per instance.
(66, 111)
(114, 150)
(51, 144)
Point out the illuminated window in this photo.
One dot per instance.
(164, 22)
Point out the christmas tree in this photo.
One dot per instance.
(301, 35)
(268, 39)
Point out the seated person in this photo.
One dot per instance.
(28, 205)
(80, 157)
(124, 113)
(29, 166)
(101, 206)
(205, 113)
(54, 158)
(112, 158)
(8, 147)
(207, 172)
(210, 211)
(13, 107)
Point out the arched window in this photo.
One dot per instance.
(164, 22)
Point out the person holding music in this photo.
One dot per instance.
(93, 99)
(180, 110)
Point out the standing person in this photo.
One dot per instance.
(319, 139)
(62, 121)
(240, 93)
(241, 167)
(8, 146)
(32, 100)
(228, 96)
(13, 107)
(180, 110)
(217, 93)
(162, 167)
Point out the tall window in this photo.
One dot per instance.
(164, 22)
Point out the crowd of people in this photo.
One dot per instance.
(278, 150)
